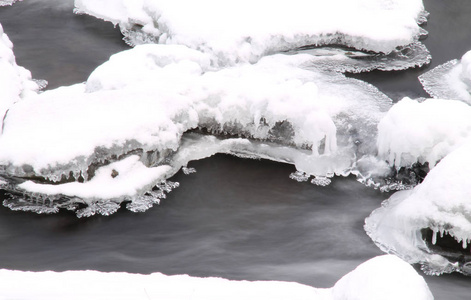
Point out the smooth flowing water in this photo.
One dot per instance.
(234, 218)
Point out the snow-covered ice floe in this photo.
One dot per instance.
(144, 102)
(452, 80)
(384, 277)
(430, 224)
(245, 31)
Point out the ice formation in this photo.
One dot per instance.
(452, 80)
(438, 133)
(423, 132)
(248, 30)
(384, 277)
(7, 2)
(15, 81)
(143, 100)
(438, 207)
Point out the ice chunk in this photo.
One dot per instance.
(423, 132)
(7, 2)
(143, 100)
(452, 80)
(383, 277)
(15, 81)
(441, 204)
(123, 178)
(247, 30)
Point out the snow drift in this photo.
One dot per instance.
(383, 277)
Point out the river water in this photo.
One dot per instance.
(234, 218)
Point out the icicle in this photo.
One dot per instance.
(434, 237)
(465, 243)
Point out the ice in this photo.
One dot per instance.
(441, 204)
(344, 60)
(7, 2)
(142, 101)
(132, 176)
(383, 277)
(247, 30)
(423, 132)
(15, 81)
(452, 80)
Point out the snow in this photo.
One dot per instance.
(451, 80)
(384, 277)
(440, 202)
(423, 132)
(247, 30)
(15, 81)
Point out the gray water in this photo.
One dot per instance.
(235, 218)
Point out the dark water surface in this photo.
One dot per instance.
(239, 219)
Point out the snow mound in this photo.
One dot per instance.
(384, 277)
(247, 30)
(412, 224)
(143, 100)
(15, 81)
(452, 80)
(414, 132)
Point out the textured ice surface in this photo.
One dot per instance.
(452, 80)
(15, 81)
(384, 277)
(247, 30)
(343, 59)
(142, 100)
(414, 132)
(440, 204)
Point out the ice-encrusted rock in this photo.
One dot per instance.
(451, 80)
(423, 132)
(441, 204)
(384, 277)
(247, 30)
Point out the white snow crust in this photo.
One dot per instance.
(145, 98)
(422, 132)
(452, 80)
(15, 81)
(244, 31)
(384, 277)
